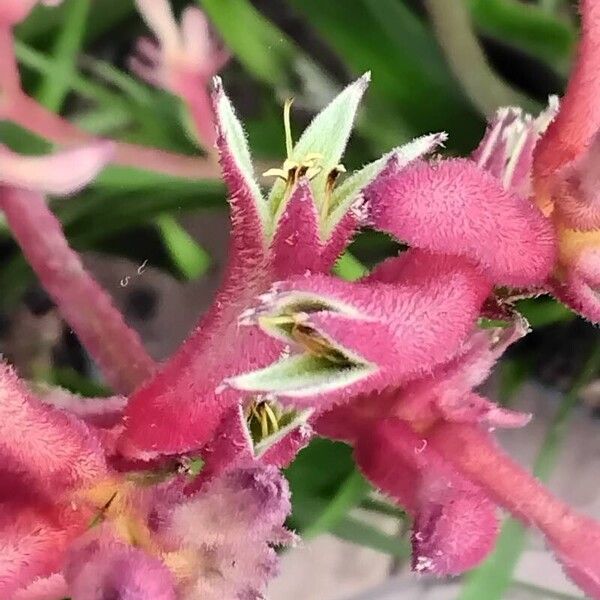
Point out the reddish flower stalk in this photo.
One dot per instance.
(570, 134)
(85, 305)
(574, 538)
(9, 75)
(29, 114)
(24, 111)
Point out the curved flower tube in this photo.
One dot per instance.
(270, 240)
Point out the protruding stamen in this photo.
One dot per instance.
(287, 124)
(329, 185)
(281, 173)
(263, 419)
(272, 417)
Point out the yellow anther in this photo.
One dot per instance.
(264, 423)
(329, 185)
(281, 173)
(262, 418)
(292, 170)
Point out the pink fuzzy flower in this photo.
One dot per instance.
(72, 526)
(553, 161)
(567, 196)
(183, 59)
(389, 363)
(48, 457)
(165, 415)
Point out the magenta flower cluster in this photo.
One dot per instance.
(101, 497)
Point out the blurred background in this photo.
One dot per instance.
(159, 243)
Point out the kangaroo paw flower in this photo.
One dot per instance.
(361, 337)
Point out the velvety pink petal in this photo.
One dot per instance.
(64, 172)
(481, 351)
(574, 538)
(51, 446)
(343, 423)
(415, 267)
(580, 288)
(579, 117)
(576, 191)
(87, 308)
(349, 212)
(103, 567)
(31, 546)
(182, 407)
(247, 239)
(385, 467)
(53, 587)
(390, 332)
(454, 207)
(296, 246)
(230, 446)
(455, 524)
(473, 408)
(339, 240)
(447, 392)
(438, 300)
(283, 452)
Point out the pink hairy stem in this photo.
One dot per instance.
(19, 108)
(30, 115)
(574, 538)
(84, 304)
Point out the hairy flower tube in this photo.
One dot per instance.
(364, 366)
(102, 498)
(73, 526)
